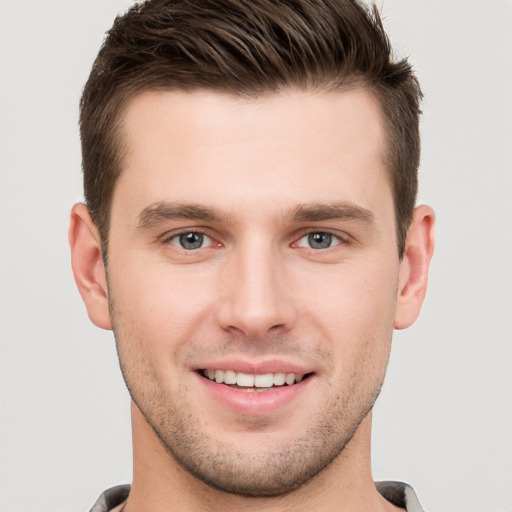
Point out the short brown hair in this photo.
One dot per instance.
(248, 48)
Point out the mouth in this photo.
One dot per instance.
(255, 383)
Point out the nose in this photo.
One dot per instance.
(256, 298)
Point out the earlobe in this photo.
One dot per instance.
(88, 267)
(414, 267)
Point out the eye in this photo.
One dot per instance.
(190, 240)
(319, 240)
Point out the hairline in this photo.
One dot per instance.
(126, 95)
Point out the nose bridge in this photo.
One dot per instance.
(255, 299)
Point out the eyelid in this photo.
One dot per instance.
(343, 237)
(167, 237)
(334, 239)
(206, 241)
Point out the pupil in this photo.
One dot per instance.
(191, 240)
(320, 240)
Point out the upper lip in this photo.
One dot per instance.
(257, 368)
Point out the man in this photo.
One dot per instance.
(250, 236)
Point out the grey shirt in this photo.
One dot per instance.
(398, 493)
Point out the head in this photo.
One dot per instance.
(251, 169)
(247, 49)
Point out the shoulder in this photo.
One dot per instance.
(111, 498)
(400, 494)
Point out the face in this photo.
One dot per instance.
(252, 277)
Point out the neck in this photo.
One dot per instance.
(161, 484)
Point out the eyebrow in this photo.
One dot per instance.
(162, 211)
(156, 213)
(326, 211)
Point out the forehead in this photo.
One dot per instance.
(286, 148)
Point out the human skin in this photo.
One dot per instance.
(255, 177)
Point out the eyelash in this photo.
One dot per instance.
(332, 237)
(174, 240)
(176, 236)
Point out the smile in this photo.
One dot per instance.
(259, 390)
(249, 381)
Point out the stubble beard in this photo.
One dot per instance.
(256, 473)
(230, 468)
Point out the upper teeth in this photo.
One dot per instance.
(266, 380)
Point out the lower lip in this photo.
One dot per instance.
(255, 402)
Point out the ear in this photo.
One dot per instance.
(413, 277)
(88, 268)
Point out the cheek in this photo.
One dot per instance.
(357, 291)
(354, 308)
(160, 304)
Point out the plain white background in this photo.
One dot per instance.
(443, 422)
